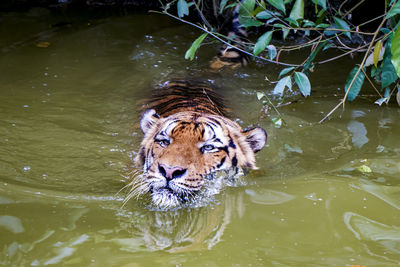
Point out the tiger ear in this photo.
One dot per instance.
(148, 119)
(256, 138)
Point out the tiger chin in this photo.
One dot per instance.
(188, 138)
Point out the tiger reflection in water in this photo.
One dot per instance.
(184, 230)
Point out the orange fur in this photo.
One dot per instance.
(187, 139)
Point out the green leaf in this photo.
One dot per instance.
(247, 21)
(308, 23)
(322, 25)
(292, 22)
(395, 50)
(280, 26)
(247, 6)
(387, 93)
(394, 11)
(262, 42)
(376, 73)
(357, 84)
(321, 16)
(195, 45)
(297, 10)
(341, 24)
(271, 51)
(222, 6)
(231, 5)
(285, 32)
(364, 169)
(312, 56)
(389, 74)
(321, 3)
(303, 83)
(183, 8)
(285, 71)
(282, 83)
(277, 122)
(264, 15)
(260, 95)
(329, 33)
(258, 9)
(327, 46)
(271, 21)
(246, 10)
(278, 4)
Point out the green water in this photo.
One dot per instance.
(69, 131)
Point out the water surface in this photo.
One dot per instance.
(325, 195)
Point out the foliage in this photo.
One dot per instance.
(322, 25)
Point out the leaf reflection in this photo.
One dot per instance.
(382, 192)
(366, 229)
(268, 196)
(12, 224)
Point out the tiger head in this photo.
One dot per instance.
(180, 151)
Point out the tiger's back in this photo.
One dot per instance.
(187, 95)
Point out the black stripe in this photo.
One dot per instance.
(231, 143)
(214, 120)
(225, 148)
(234, 161)
(221, 163)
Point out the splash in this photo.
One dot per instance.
(140, 188)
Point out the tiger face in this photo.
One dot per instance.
(180, 151)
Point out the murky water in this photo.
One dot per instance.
(325, 195)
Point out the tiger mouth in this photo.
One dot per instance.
(166, 190)
(165, 197)
(178, 193)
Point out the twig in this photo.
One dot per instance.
(328, 29)
(315, 45)
(354, 7)
(358, 49)
(372, 84)
(225, 42)
(340, 41)
(202, 16)
(342, 102)
(215, 9)
(330, 112)
(342, 55)
(274, 107)
(276, 17)
(341, 5)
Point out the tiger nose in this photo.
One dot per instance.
(171, 172)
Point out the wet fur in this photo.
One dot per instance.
(187, 137)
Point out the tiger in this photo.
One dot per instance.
(188, 136)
